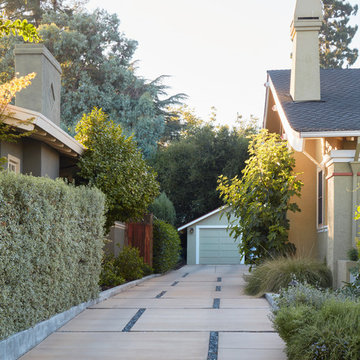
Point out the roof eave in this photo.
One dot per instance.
(49, 131)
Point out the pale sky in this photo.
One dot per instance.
(216, 51)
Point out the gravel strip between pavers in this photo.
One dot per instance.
(216, 304)
(158, 296)
(133, 320)
(213, 345)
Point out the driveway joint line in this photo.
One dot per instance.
(185, 275)
(158, 296)
(213, 345)
(216, 304)
(174, 283)
(133, 320)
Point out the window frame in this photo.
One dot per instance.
(13, 161)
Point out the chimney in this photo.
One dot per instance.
(43, 95)
(305, 71)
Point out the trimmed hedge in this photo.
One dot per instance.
(166, 247)
(51, 239)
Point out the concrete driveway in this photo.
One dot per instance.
(196, 312)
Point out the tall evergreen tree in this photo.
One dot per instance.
(336, 35)
(98, 71)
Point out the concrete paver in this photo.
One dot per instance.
(124, 346)
(175, 326)
(204, 320)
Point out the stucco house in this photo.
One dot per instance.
(48, 151)
(318, 112)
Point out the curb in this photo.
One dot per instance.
(18, 344)
(271, 298)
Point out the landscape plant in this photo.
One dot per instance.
(261, 199)
(166, 246)
(113, 163)
(50, 250)
(163, 209)
(275, 274)
(317, 324)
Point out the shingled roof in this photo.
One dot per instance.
(338, 110)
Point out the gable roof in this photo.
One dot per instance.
(339, 109)
(202, 217)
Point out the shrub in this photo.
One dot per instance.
(110, 276)
(129, 264)
(163, 209)
(275, 274)
(166, 249)
(51, 239)
(353, 254)
(330, 333)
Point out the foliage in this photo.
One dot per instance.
(353, 288)
(166, 248)
(318, 325)
(336, 34)
(97, 71)
(7, 92)
(110, 275)
(114, 165)
(33, 10)
(309, 295)
(353, 254)
(275, 274)
(20, 28)
(51, 248)
(189, 167)
(261, 199)
(163, 209)
(129, 264)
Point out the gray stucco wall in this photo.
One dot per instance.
(35, 157)
(43, 95)
(14, 149)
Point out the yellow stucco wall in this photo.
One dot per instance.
(303, 231)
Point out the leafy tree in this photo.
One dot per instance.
(336, 34)
(18, 27)
(114, 165)
(261, 199)
(189, 167)
(96, 60)
(163, 209)
(33, 10)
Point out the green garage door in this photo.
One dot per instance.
(216, 247)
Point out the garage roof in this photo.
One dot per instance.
(202, 218)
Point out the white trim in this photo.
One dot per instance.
(320, 226)
(318, 134)
(202, 218)
(293, 137)
(322, 229)
(13, 160)
(338, 156)
(197, 238)
(18, 114)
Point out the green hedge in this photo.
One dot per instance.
(51, 239)
(166, 248)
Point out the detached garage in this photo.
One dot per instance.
(208, 241)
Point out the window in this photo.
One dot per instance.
(320, 199)
(13, 164)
